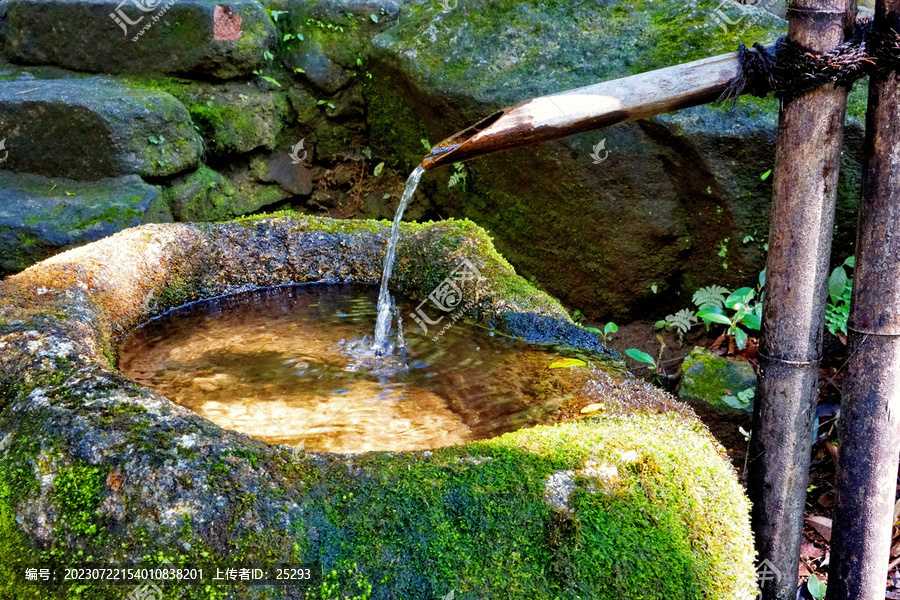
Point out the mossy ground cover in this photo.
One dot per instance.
(669, 522)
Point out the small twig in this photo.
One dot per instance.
(893, 564)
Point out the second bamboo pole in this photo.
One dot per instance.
(869, 425)
(807, 161)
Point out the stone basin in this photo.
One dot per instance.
(635, 500)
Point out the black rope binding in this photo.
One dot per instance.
(790, 71)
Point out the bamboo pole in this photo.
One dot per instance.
(807, 160)
(599, 105)
(869, 425)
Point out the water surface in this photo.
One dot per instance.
(293, 365)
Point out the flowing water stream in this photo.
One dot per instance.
(382, 345)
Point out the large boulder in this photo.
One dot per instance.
(201, 37)
(40, 217)
(638, 502)
(677, 203)
(94, 127)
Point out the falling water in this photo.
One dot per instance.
(385, 303)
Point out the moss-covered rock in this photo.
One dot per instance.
(198, 37)
(726, 385)
(206, 195)
(638, 502)
(624, 237)
(94, 127)
(234, 118)
(40, 217)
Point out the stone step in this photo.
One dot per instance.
(92, 128)
(40, 217)
(198, 37)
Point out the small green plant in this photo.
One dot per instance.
(711, 296)
(606, 333)
(746, 315)
(642, 357)
(840, 289)
(271, 80)
(741, 400)
(816, 587)
(323, 25)
(739, 310)
(646, 359)
(427, 144)
(577, 316)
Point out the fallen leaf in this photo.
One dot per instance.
(591, 408)
(803, 570)
(115, 479)
(827, 499)
(821, 525)
(567, 363)
(810, 550)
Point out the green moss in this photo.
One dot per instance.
(121, 414)
(78, 490)
(177, 291)
(677, 33)
(857, 100)
(637, 529)
(260, 216)
(394, 127)
(230, 119)
(121, 217)
(205, 195)
(709, 378)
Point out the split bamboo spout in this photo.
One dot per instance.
(592, 107)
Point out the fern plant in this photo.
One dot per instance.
(681, 322)
(709, 297)
(459, 176)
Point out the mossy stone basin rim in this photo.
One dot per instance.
(638, 501)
